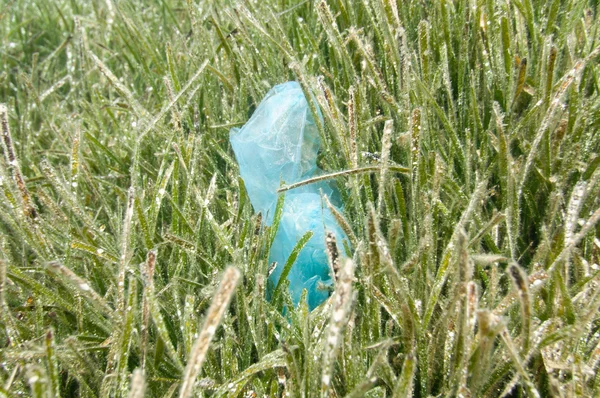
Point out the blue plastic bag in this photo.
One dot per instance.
(280, 142)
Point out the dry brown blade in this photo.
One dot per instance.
(215, 314)
(14, 166)
(341, 308)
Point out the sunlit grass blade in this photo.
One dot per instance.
(289, 263)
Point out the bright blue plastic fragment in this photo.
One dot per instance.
(303, 212)
(279, 143)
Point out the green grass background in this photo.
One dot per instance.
(474, 215)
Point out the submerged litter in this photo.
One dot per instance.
(280, 142)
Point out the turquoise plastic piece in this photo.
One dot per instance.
(279, 143)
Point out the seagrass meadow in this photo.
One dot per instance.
(463, 136)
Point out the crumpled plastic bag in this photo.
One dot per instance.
(279, 143)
